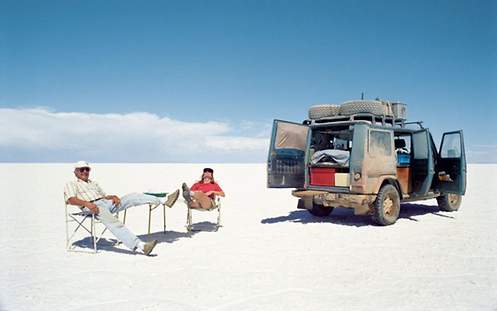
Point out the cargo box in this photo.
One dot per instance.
(342, 179)
(322, 176)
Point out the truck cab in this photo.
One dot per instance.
(367, 162)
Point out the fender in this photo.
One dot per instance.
(387, 179)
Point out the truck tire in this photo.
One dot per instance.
(449, 202)
(366, 106)
(386, 206)
(323, 111)
(320, 210)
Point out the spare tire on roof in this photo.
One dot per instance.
(366, 106)
(323, 111)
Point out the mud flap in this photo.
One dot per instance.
(305, 203)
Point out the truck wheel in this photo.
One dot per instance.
(323, 111)
(320, 210)
(449, 202)
(386, 206)
(365, 106)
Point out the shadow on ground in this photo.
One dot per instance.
(345, 216)
(111, 244)
(204, 226)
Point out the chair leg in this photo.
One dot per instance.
(164, 211)
(67, 230)
(93, 233)
(189, 219)
(149, 216)
(218, 218)
(80, 225)
(91, 229)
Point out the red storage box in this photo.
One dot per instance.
(322, 176)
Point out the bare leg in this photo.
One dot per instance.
(194, 204)
(200, 199)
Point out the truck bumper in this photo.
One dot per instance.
(361, 203)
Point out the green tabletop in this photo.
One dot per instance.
(157, 194)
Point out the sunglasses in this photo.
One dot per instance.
(84, 169)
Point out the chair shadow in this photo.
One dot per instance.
(111, 244)
(346, 217)
(167, 237)
(204, 226)
(104, 244)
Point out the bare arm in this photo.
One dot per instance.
(219, 193)
(115, 199)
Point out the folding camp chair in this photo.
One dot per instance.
(86, 221)
(216, 205)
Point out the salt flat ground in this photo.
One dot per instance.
(268, 255)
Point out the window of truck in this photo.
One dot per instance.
(451, 147)
(380, 143)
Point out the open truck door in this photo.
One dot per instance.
(285, 165)
(451, 164)
(423, 162)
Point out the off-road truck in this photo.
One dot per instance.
(364, 155)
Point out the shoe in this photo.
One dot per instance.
(186, 193)
(171, 199)
(149, 246)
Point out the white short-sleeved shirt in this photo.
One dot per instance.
(87, 191)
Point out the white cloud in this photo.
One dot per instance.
(129, 137)
(237, 144)
(260, 129)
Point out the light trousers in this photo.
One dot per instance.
(106, 215)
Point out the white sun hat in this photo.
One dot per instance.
(81, 164)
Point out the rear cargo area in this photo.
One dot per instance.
(329, 157)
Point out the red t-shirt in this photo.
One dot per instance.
(200, 186)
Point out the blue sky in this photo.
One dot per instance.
(220, 71)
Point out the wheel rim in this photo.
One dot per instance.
(453, 198)
(388, 206)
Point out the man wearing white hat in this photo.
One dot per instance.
(88, 194)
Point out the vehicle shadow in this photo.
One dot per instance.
(410, 210)
(346, 217)
(111, 244)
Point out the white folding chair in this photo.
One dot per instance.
(83, 221)
(216, 205)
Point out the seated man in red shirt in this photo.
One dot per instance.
(203, 193)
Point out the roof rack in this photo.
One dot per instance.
(420, 123)
(381, 120)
